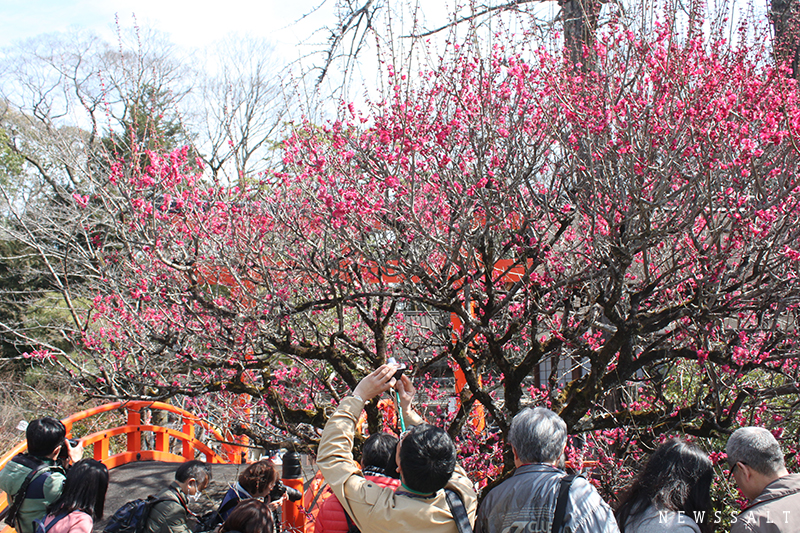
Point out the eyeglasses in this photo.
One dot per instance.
(733, 469)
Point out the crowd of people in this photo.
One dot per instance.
(414, 483)
(52, 490)
(671, 493)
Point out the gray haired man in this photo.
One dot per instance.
(526, 502)
(756, 462)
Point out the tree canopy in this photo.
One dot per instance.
(620, 244)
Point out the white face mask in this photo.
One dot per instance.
(196, 496)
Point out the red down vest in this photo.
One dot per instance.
(331, 517)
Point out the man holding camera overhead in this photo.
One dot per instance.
(40, 472)
(426, 459)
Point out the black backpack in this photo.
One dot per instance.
(212, 519)
(10, 513)
(132, 517)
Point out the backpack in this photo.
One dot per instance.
(132, 517)
(212, 519)
(10, 513)
(38, 524)
(207, 522)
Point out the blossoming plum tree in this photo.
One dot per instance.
(619, 244)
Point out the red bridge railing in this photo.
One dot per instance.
(101, 444)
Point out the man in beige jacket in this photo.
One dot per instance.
(756, 462)
(426, 459)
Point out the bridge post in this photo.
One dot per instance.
(161, 443)
(188, 447)
(101, 449)
(134, 437)
(294, 520)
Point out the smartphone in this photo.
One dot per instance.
(397, 375)
(399, 372)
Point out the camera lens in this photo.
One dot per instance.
(293, 494)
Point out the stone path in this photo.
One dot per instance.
(139, 480)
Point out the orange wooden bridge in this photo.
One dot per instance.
(128, 448)
(121, 448)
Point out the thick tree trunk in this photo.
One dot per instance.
(580, 23)
(785, 18)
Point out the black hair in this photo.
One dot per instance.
(427, 457)
(193, 469)
(250, 516)
(84, 490)
(378, 454)
(677, 477)
(44, 435)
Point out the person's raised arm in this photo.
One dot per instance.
(375, 384)
(459, 480)
(405, 393)
(335, 452)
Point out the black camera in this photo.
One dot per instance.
(280, 489)
(399, 373)
(63, 455)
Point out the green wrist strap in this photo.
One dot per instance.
(399, 411)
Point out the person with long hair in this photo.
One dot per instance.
(82, 499)
(250, 516)
(671, 494)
